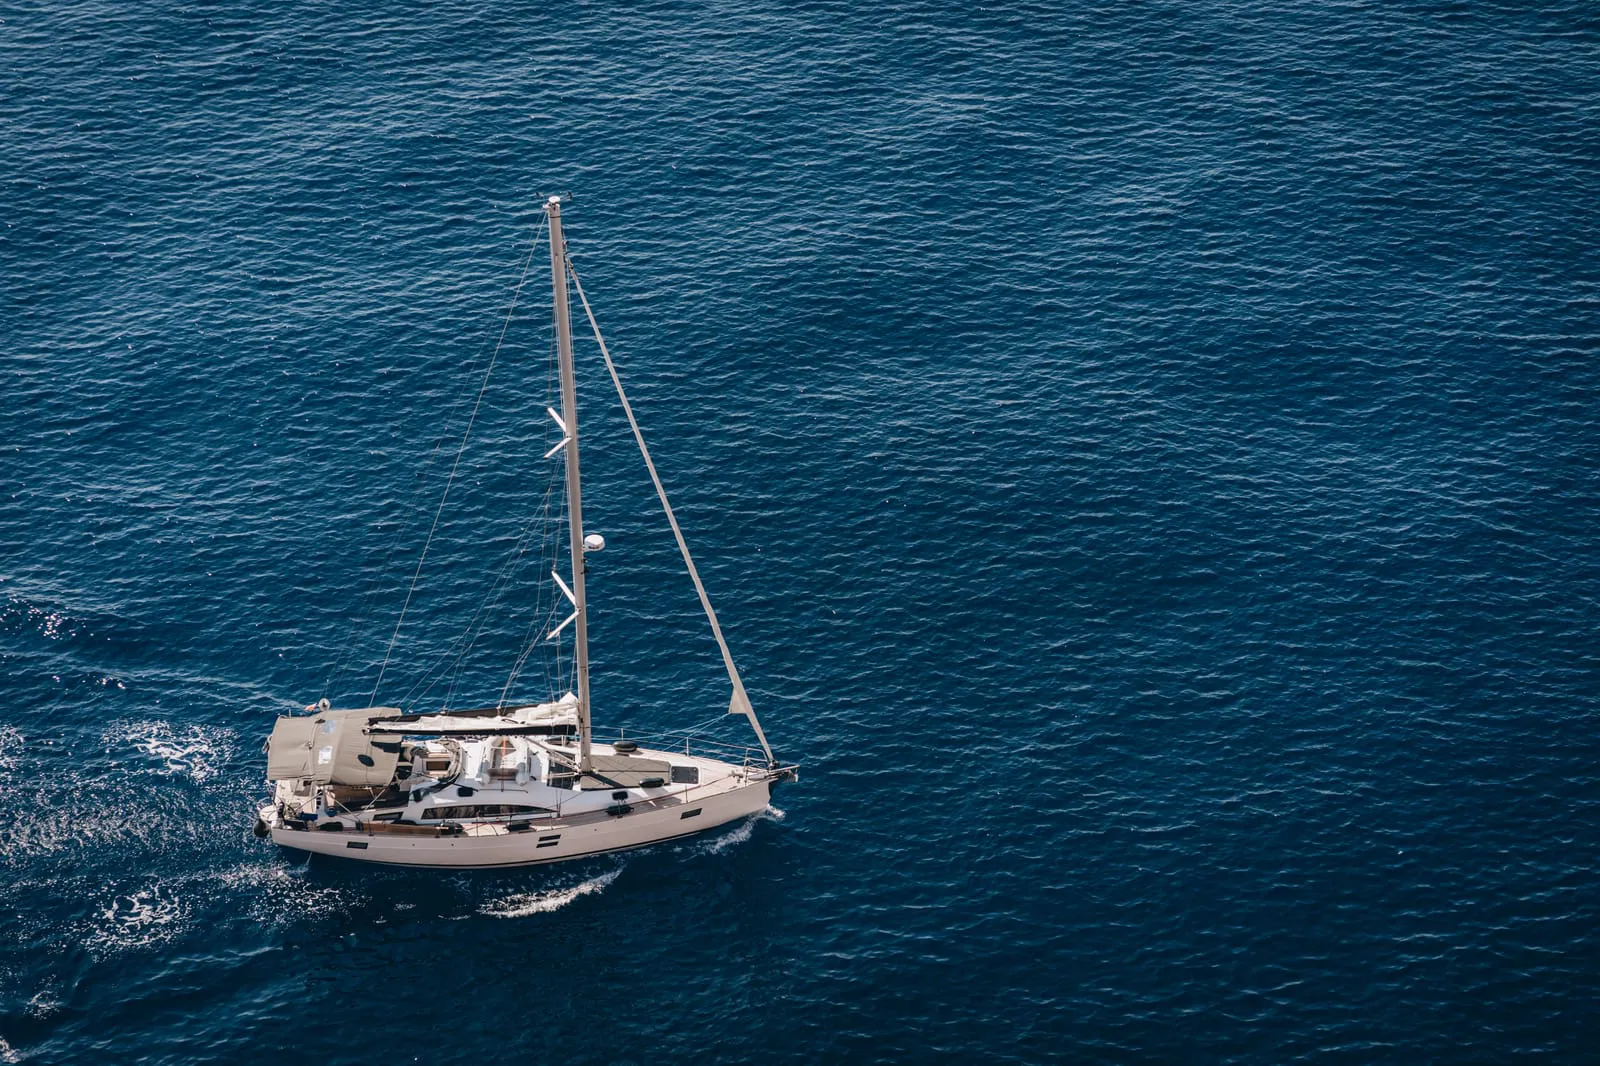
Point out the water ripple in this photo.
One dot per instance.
(1141, 455)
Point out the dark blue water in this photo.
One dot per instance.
(1144, 456)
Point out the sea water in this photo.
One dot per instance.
(1143, 456)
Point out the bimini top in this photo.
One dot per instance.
(332, 748)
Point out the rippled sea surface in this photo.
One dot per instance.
(1144, 456)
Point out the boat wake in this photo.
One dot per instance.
(740, 833)
(137, 919)
(45, 1002)
(142, 914)
(197, 752)
(62, 824)
(524, 904)
(11, 740)
(280, 895)
(150, 914)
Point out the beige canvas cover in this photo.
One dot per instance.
(328, 748)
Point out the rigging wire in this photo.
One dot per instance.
(692, 731)
(456, 655)
(486, 613)
(376, 582)
(533, 635)
(541, 623)
(454, 660)
(455, 466)
(740, 703)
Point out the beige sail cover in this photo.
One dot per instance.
(328, 748)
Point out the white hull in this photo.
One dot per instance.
(553, 840)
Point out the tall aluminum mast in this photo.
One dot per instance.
(569, 414)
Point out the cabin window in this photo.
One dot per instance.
(686, 775)
(477, 812)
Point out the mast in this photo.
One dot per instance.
(569, 414)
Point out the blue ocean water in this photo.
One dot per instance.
(1143, 455)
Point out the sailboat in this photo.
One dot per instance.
(515, 784)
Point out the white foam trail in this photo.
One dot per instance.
(71, 812)
(44, 1003)
(8, 1053)
(83, 822)
(279, 894)
(738, 835)
(138, 919)
(525, 903)
(11, 741)
(197, 752)
(275, 895)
